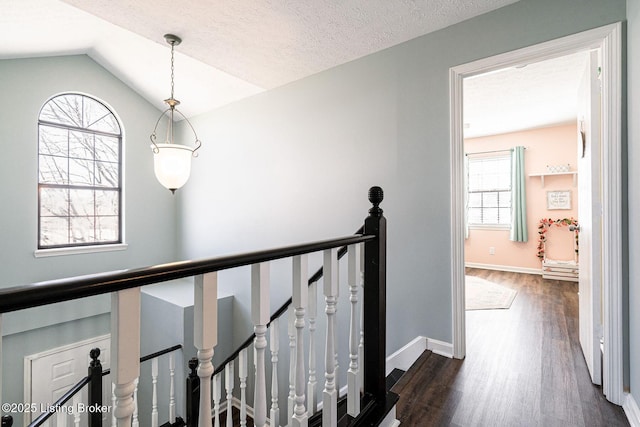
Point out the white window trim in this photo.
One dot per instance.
(43, 253)
(105, 247)
(489, 227)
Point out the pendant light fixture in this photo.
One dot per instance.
(172, 162)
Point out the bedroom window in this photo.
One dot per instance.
(489, 198)
(79, 173)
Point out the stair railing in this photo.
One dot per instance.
(124, 287)
(300, 407)
(239, 357)
(94, 381)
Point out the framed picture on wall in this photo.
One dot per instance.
(559, 199)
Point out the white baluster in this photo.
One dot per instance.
(125, 350)
(260, 317)
(312, 397)
(113, 405)
(242, 373)
(154, 392)
(330, 394)
(274, 345)
(172, 388)
(291, 332)
(135, 422)
(62, 417)
(228, 385)
(299, 302)
(353, 386)
(205, 312)
(76, 414)
(361, 344)
(217, 395)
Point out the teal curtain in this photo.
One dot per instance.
(518, 197)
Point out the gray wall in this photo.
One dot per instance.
(149, 209)
(16, 346)
(295, 163)
(292, 164)
(633, 102)
(165, 322)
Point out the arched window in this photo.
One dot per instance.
(79, 173)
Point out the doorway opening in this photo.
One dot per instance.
(608, 41)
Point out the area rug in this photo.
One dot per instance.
(482, 294)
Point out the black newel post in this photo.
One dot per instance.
(375, 298)
(7, 421)
(193, 394)
(95, 388)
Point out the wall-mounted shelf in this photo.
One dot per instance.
(542, 175)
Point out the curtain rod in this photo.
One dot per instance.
(492, 151)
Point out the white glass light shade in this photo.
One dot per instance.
(172, 164)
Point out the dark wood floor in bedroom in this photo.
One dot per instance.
(524, 367)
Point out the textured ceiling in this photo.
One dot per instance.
(233, 49)
(273, 42)
(518, 98)
(36, 28)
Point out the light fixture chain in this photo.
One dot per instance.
(172, 45)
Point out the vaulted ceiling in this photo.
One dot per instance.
(231, 49)
(234, 49)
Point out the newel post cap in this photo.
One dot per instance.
(94, 354)
(376, 195)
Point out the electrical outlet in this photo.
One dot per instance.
(492, 250)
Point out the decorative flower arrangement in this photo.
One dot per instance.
(543, 227)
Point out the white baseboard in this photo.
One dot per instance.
(407, 355)
(631, 410)
(440, 347)
(509, 268)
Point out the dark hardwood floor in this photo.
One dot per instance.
(524, 367)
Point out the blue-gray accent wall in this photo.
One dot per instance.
(149, 209)
(291, 164)
(294, 163)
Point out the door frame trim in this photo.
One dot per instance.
(609, 40)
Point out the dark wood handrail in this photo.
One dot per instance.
(53, 291)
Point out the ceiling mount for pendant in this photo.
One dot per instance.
(172, 39)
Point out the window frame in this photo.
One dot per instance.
(498, 190)
(92, 246)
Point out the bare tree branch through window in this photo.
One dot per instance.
(79, 173)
